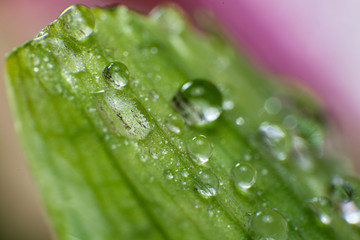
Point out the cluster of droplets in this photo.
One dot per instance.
(199, 102)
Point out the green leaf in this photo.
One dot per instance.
(125, 142)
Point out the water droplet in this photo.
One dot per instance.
(185, 174)
(290, 122)
(124, 114)
(206, 183)
(116, 74)
(199, 102)
(243, 175)
(168, 175)
(78, 21)
(275, 139)
(269, 224)
(239, 121)
(350, 212)
(154, 96)
(322, 207)
(36, 69)
(174, 123)
(228, 105)
(200, 149)
(154, 50)
(272, 105)
(301, 154)
(170, 18)
(341, 190)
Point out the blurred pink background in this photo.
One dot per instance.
(312, 41)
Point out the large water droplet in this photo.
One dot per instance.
(243, 175)
(116, 74)
(276, 139)
(269, 224)
(200, 149)
(322, 207)
(78, 21)
(174, 123)
(199, 102)
(206, 183)
(124, 114)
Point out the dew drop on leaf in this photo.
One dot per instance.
(239, 121)
(116, 74)
(200, 149)
(174, 123)
(350, 212)
(347, 198)
(276, 140)
(206, 183)
(124, 114)
(199, 102)
(269, 224)
(323, 209)
(78, 21)
(169, 18)
(341, 190)
(272, 105)
(168, 175)
(243, 175)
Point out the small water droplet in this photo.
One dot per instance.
(322, 207)
(276, 139)
(200, 149)
(154, 50)
(341, 190)
(185, 174)
(206, 183)
(174, 123)
(154, 96)
(116, 74)
(228, 105)
(243, 175)
(199, 102)
(239, 121)
(78, 21)
(301, 154)
(169, 18)
(290, 122)
(269, 224)
(36, 69)
(272, 106)
(42, 35)
(143, 158)
(168, 175)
